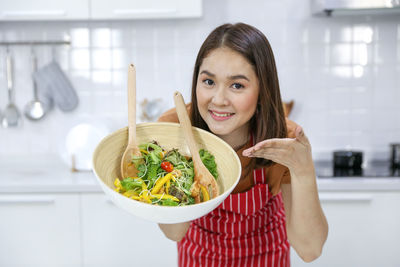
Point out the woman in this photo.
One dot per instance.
(236, 96)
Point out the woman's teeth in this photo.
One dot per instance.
(222, 114)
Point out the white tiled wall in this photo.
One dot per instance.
(342, 72)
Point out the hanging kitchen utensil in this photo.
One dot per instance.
(128, 169)
(52, 81)
(35, 109)
(11, 116)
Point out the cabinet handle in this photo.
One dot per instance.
(36, 13)
(124, 12)
(345, 197)
(26, 200)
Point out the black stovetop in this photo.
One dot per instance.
(373, 169)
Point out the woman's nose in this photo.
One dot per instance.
(220, 97)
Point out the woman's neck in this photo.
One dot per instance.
(237, 138)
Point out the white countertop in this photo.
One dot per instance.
(43, 174)
(48, 174)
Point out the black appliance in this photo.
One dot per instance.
(350, 164)
(347, 163)
(395, 156)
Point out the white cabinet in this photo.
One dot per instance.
(80, 229)
(20, 10)
(150, 9)
(86, 229)
(39, 230)
(364, 230)
(113, 237)
(42, 10)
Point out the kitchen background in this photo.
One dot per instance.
(342, 72)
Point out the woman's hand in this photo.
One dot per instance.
(294, 153)
(175, 231)
(306, 225)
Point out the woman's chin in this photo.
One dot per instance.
(220, 131)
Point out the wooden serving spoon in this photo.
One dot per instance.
(128, 169)
(201, 174)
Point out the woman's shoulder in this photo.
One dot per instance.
(291, 128)
(171, 115)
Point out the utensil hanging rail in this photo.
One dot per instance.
(31, 43)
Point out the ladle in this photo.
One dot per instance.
(11, 114)
(35, 109)
(128, 169)
(202, 176)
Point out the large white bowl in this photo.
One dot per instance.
(107, 158)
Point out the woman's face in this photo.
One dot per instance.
(227, 92)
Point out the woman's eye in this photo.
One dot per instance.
(208, 82)
(237, 86)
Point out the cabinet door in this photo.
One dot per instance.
(149, 9)
(363, 230)
(113, 237)
(19, 10)
(39, 230)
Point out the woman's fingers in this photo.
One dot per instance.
(270, 153)
(275, 155)
(285, 143)
(270, 143)
(274, 142)
(300, 136)
(294, 153)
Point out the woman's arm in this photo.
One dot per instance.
(306, 224)
(176, 231)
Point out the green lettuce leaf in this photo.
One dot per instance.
(209, 162)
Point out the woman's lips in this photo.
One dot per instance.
(220, 116)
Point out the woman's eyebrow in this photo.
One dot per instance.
(233, 77)
(207, 73)
(239, 76)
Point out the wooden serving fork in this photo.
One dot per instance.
(202, 177)
(128, 169)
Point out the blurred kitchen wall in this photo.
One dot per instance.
(342, 72)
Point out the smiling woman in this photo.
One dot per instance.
(236, 96)
(227, 93)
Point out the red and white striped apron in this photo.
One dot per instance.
(247, 229)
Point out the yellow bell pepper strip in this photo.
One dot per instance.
(161, 182)
(205, 194)
(145, 193)
(118, 186)
(164, 196)
(169, 182)
(145, 196)
(117, 182)
(167, 187)
(130, 193)
(144, 151)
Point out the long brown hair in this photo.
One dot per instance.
(268, 120)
